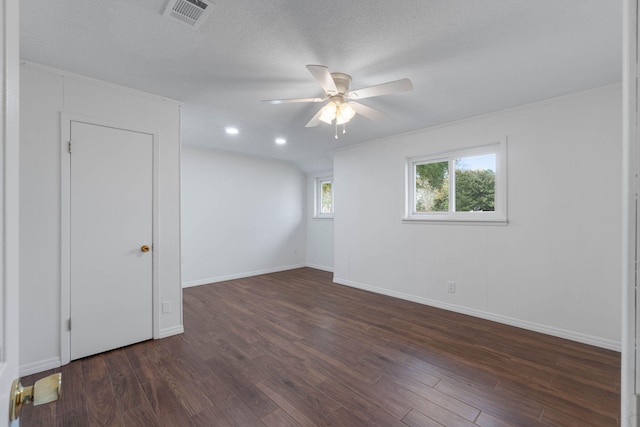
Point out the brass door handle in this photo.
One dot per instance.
(45, 390)
(144, 248)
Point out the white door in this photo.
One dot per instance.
(9, 70)
(111, 223)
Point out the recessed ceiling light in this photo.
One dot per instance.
(231, 131)
(281, 141)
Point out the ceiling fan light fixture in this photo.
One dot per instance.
(329, 112)
(344, 113)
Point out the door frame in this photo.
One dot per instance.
(65, 225)
(630, 357)
(9, 201)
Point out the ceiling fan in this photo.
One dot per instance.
(342, 105)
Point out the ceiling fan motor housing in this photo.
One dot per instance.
(342, 82)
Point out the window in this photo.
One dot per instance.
(324, 197)
(463, 185)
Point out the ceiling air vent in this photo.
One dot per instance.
(192, 12)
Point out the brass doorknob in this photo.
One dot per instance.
(144, 248)
(45, 390)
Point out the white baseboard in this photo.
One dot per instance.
(320, 267)
(56, 362)
(240, 275)
(174, 330)
(40, 366)
(549, 330)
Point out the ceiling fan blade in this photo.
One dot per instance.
(287, 101)
(315, 120)
(396, 86)
(368, 112)
(323, 76)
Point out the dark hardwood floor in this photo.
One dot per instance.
(294, 349)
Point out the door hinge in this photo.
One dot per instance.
(69, 148)
(69, 323)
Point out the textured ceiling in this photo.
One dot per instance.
(465, 57)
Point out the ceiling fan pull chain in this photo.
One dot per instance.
(344, 128)
(336, 129)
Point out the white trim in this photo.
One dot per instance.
(65, 239)
(240, 275)
(65, 226)
(549, 330)
(155, 236)
(320, 267)
(180, 298)
(9, 200)
(628, 228)
(455, 221)
(168, 332)
(40, 366)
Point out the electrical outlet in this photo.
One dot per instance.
(451, 287)
(166, 307)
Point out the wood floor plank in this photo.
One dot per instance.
(165, 404)
(142, 362)
(185, 386)
(72, 418)
(294, 349)
(227, 409)
(555, 418)
(279, 418)
(486, 420)
(360, 404)
(141, 416)
(300, 398)
(437, 414)
(241, 386)
(436, 396)
(214, 417)
(129, 393)
(102, 404)
(517, 411)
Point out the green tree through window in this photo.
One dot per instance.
(327, 198)
(475, 190)
(432, 187)
(475, 184)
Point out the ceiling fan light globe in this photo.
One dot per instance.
(328, 113)
(344, 113)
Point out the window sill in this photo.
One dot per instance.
(454, 221)
(322, 217)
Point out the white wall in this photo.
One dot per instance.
(241, 216)
(319, 230)
(45, 93)
(554, 268)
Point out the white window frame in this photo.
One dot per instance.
(499, 216)
(318, 198)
